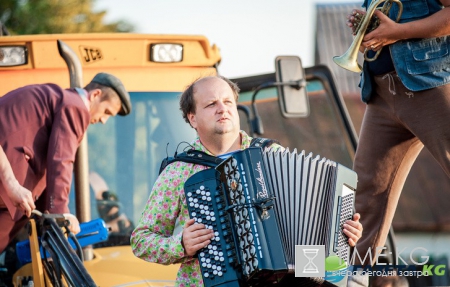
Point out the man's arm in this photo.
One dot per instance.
(69, 125)
(153, 239)
(20, 196)
(389, 32)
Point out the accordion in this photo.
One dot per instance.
(261, 204)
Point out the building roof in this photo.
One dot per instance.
(333, 38)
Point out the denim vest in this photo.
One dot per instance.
(420, 63)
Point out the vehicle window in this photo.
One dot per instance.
(126, 152)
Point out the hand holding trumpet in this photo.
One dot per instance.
(366, 38)
(385, 33)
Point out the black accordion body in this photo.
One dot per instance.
(261, 204)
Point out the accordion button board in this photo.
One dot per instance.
(218, 261)
(260, 205)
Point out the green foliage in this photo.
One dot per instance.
(55, 16)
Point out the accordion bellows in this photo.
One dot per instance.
(260, 205)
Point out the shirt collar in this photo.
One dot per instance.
(245, 143)
(84, 96)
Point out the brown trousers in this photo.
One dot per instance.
(396, 125)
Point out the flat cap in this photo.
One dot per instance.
(114, 83)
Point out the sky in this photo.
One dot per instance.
(249, 33)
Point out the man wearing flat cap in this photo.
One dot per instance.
(41, 127)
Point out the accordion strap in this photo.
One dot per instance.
(262, 142)
(192, 156)
(202, 158)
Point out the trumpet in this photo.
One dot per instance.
(365, 25)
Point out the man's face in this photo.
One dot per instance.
(101, 110)
(215, 108)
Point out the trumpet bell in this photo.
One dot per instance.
(348, 60)
(345, 62)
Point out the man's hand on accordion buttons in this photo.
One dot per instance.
(353, 229)
(195, 237)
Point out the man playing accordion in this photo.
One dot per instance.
(165, 234)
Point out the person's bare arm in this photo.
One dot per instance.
(20, 196)
(389, 32)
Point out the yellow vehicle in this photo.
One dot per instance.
(118, 162)
(154, 68)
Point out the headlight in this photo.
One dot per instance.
(166, 53)
(13, 56)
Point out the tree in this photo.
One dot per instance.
(56, 16)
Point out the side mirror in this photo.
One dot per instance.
(292, 98)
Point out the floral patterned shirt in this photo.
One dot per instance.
(157, 237)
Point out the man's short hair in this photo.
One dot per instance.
(107, 92)
(187, 102)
